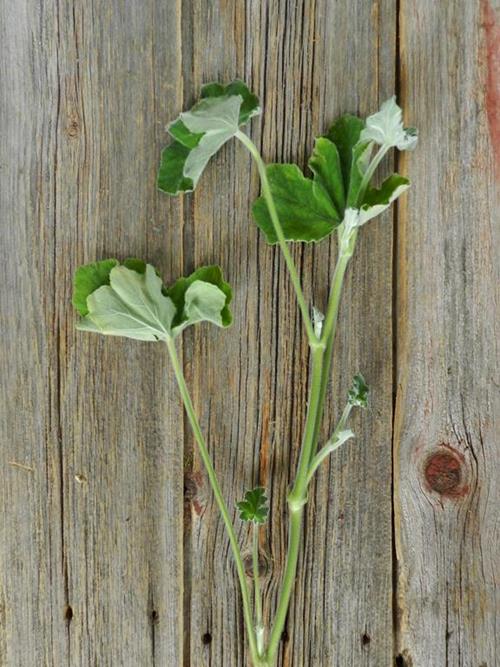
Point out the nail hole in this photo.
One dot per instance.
(400, 661)
(68, 613)
(206, 638)
(365, 639)
(155, 616)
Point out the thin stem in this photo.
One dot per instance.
(292, 269)
(219, 499)
(259, 625)
(338, 438)
(296, 501)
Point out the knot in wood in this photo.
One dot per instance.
(443, 474)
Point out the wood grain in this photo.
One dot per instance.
(298, 57)
(111, 548)
(92, 548)
(446, 435)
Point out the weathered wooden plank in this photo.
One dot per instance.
(33, 596)
(92, 553)
(308, 61)
(446, 450)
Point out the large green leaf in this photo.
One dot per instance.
(130, 300)
(199, 133)
(304, 207)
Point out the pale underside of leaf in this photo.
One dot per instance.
(133, 306)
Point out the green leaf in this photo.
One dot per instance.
(250, 105)
(132, 305)
(305, 210)
(377, 200)
(130, 300)
(254, 506)
(358, 394)
(87, 279)
(199, 133)
(327, 170)
(345, 133)
(207, 274)
(385, 127)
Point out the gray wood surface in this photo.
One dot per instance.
(111, 549)
(446, 457)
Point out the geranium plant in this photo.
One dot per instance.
(130, 299)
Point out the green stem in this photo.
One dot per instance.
(296, 501)
(259, 625)
(328, 338)
(294, 276)
(219, 499)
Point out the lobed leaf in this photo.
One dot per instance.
(200, 132)
(254, 506)
(304, 207)
(130, 300)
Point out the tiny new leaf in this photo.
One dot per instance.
(385, 127)
(358, 393)
(254, 506)
(199, 133)
(130, 300)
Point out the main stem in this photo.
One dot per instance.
(219, 499)
(296, 501)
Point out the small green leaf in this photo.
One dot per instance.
(358, 394)
(377, 200)
(385, 127)
(199, 133)
(130, 300)
(305, 210)
(207, 274)
(87, 279)
(254, 506)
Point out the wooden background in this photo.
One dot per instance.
(112, 552)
